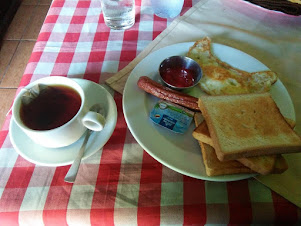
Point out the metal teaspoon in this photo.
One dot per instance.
(72, 172)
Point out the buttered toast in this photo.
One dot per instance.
(247, 125)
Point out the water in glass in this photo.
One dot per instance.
(118, 14)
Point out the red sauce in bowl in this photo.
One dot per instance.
(178, 76)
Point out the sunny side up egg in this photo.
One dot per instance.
(220, 78)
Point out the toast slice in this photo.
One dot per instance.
(268, 163)
(201, 132)
(260, 164)
(247, 125)
(213, 166)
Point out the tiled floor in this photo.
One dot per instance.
(16, 49)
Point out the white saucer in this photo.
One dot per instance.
(64, 156)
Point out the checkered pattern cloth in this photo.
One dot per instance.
(121, 184)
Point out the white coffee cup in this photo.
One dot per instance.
(67, 133)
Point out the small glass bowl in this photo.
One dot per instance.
(180, 72)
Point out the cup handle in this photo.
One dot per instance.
(94, 121)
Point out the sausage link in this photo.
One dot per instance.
(165, 93)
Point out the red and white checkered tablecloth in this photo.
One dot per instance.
(121, 184)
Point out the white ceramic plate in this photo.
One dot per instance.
(64, 156)
(177, 151)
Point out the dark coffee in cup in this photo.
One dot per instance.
(60, 116)
(52, 108)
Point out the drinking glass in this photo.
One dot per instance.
(118, 14)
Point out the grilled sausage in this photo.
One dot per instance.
(165, 93)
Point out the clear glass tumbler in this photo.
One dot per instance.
(118, 14)
(167, 8)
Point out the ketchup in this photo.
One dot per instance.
(178, 76)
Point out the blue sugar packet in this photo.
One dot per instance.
(171, 116)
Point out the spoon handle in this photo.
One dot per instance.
(72, 172)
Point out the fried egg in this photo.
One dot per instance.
(220, 78)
